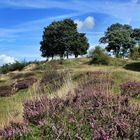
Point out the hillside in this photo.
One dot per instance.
(71, 99)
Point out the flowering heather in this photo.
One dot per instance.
(52, 81)
(102, 83)
(34, 111)
(90, 112)
(130, 89)
(7, 90)
(98, 79)
(25, 83)
(90, 75)
(14, 130)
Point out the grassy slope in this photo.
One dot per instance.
(11, 107)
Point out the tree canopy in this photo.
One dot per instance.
(135, 53)
(136, 35)
(62, 38)
(119, 39)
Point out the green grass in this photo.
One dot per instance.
(11, 108)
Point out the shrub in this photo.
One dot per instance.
(135, 66)
(135, 53)
(99, 79)
(100, 57)
(7, 90)
(25, 83)
(130, 89)
(14, 130)
(52, 80)
(12, 67)
(35, 110)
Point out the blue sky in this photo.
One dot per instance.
(22, 22)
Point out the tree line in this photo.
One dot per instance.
(61, 38)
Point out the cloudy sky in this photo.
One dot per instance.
(22, 22)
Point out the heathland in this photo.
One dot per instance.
(71, 99)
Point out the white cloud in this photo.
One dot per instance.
(88, 23)
(4, 59)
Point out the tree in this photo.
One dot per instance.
(118, 39)
(136, 35)
(62, 38)
(79, 45)
(135, 53)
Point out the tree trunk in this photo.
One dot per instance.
(67, 56)
(52, 57)
(76, 55)
(61, 56)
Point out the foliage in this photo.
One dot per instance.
(80, 45)
(130, 89)
(15, 130)
(136, 35)
(99, 56)
(119, 39)
(61, 38)
(135, 53)
(135, 66)
(34, 111)
(25, 83)
(52, 81)
(12, 67)
(7, 90)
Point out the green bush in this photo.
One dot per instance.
(99, 56)
(12, 67)
(135, 53)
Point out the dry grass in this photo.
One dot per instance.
(12, 107)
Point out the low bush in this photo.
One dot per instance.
(34, 111)
(99, 79)
(52, 80)
(7, 90)
(25, 83)
(14, 131)
(135, 66)
(86, 76)
(131, 89)
(100, 57)
(12, 67)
